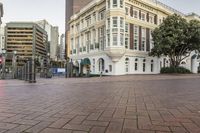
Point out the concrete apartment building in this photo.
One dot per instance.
(26, 38)
(114, 37)
(72, 6)
(53, 38)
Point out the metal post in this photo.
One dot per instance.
(22, 76)
(14, 64)
(27, 70)
(32, 71)
(4, 64)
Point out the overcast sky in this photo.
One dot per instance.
(54, 10)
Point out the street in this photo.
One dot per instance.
(117, 104)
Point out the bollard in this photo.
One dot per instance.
(27, 71)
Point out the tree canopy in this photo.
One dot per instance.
(176, 38)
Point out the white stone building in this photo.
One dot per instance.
(113, 37)
(53, 37)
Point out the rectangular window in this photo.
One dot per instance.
(115, 39)
(108, 37)
(94, 36)
(127, 10)
(108, 20)
(143, 39)
(135, 13)
(121, 22)
(160, 21)
(136, 36)
(94, 17)
(114, 3)
(151, 19)
(143, 16)
(77, 27)
(94, 65)
(151, 67)
(126, 27)
(115, 22)
(121, 3)
(144, 67)
(82, 23)
(108, 3)
(101, 15)
(126, 43)
(122, 39)
(110, 68)
(136, 66)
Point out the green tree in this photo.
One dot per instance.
(176, 38)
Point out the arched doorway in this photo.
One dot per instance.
(101, 65)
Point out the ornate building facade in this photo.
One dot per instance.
(113, 37)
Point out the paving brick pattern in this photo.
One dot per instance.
(123, 104)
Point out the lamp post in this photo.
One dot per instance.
(48, 65)
(4, 63)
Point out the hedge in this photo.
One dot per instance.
(180, 70)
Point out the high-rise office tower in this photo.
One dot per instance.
(53, 37)
(72, 6)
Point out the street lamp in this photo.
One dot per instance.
(48, 66)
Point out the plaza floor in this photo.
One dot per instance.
(122, 104)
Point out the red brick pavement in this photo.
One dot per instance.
(121, 104)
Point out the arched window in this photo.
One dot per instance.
(127, 65)
(144, 65)
(136, 64)
(152, 65)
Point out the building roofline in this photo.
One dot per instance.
(24, 22)
(157, 2)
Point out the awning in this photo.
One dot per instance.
(85, 61)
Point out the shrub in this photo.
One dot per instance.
(198, 71)
(180, 70)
